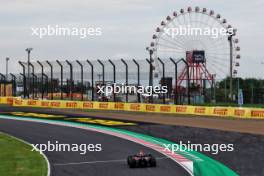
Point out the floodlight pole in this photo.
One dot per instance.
(103, 70)
(163, 77)
(114, 77)
(28, 50)
(81, 78)
(34, 77)
(47, 81)
(176, 81)
(71, 78)
(150, 72)
(14, 80)
(33, 81)
(24, 84)
(138, 78)
(188, 79)
(92, 77)
(51, 78)
(124, 62)
(61, 79)
(3, 77)
(25, 92)
(42, 83)
(150, 80)
(7, 59)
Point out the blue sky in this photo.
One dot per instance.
(127, 27)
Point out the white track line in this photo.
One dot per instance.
(95, 162)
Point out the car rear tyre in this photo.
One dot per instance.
(131, 162)
(152, 162)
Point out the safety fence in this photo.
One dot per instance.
(138, 107)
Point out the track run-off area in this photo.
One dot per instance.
(117, 144)
(110, 161)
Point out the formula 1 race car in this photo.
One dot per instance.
(141, 160)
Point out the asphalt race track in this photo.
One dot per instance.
(111, 161)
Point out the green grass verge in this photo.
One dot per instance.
(17, 159)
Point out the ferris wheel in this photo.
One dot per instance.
(205, 39)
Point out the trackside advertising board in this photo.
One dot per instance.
(139, 107)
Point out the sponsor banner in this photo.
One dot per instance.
(257, 113)
(3, 100)
(57, 104)
(181, 109)
(139, 107)
(119, 106)
(166, 108)
(201, 110)
(135, 107)
(45, 103)
(69, 104)
(89, 105)
(240, 112)
(10, 100)
(151, 108)
(220, 111)
(106, 105)
(19, 102)
(190, 109)
(33, 103)
(6, 100)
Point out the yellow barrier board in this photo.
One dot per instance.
(6, 100)
(257, 113)
(139, 107)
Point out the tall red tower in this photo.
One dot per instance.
(198, 72)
